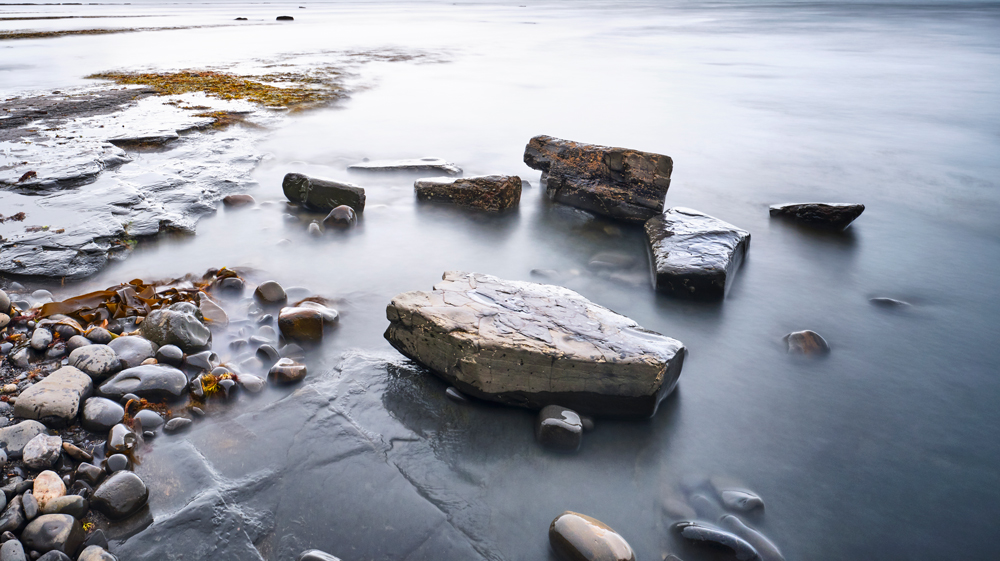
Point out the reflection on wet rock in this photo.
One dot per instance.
(121, 440)
(117, 462)
(884, 302)
(301, 325)
(455, 395)
(96, 553)
(238, 201)
(169, 354)
(836, 216)
(121, 495)
(559, 428)
(321, 194)
(740, 500)
(701, 532)
(577, 537)
(806, 343)
(270, 293)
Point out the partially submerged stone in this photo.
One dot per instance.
(694, 255)
(487, 192)
(341, 217)
(559, 428)
(578, 537)
(618, 182)
(533, 345)
(414, 165)
(806, 343)
(836, 216)
(120, 496)
(322, 194)
(55, 400)
(702, 532)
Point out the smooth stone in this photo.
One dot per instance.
(117, 462)
(495, 339)
(316, 555)
(100, 414)
(170, 354)
(492, 193)
(13, 438)
(121, 439)
(53, 532)
(120, 496)
(30, 505)
(41, 338)
(341, 217)
(12, 550)
(301, 325)
(153, 381)
(314, 229)
(765, 547)
(205, 360)
(409, 166)
(4, 303)
(322, 194)
(174, 327)
(836, 216)
(56, 351)
(99, 336)
(237, 201)
(268, 355)
(621, 183)
(54, 556)
(287, 371)
(3, 461)
(98, 361)
(76, 453)
(608, 260)
(559, 428)
(46, 487)
(42, 451)
(232, 285)
(149, 361)
(89, 473)
(127, 398)
(270, 293)
(455, 395)
(151, 420)
(198, 411)
(20, 358)
(76, 342)
(95, 553)
(577, 537)
(215, 317)
(284, 18)
(55, 400)
(694, 255)
(806, 343)
(884, 302)
(177, 424)
(132, 350)
(251, 383)
(701, 532)
(587, 422)
(12, 519)
(740, 500)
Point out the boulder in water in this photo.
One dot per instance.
(701, 532)
(322, 194)
(486, 192)
(836, 216)
(806, 343)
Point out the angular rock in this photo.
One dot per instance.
(486, 192)
(98, 361)
(152, 381)
(559, 428)
(251, 383)
(341, 217)
(46, 487)
(835, 216)
(414, 165)
(120, 496)
(100, 414)
(132, 350)
(301, 325)
(621, 183)
(533, 345)
(694, 255)
(287, 371)
(577, 537)
(55, 400)
(701, 532)
(42, 451)
(806, 343)
(322, 194)
(95, 553)
(14, 437)
(53, 532)
(174, 327)
(12, 519)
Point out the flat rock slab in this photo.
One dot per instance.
(55, 400)
(836, 216)
(621, 183)
(414, 165)
(486, 192)
(532, 345)
(322, 194)
(694, 255)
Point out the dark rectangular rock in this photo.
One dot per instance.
(486, 192)
(322, 194)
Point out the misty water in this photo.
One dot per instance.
(886, 449)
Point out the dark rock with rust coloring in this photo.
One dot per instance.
(532, 345)
(559, 428)
(806, 343)
(287, 371)
(694, 255)
(341, 217)
(578, 537)
(618, 182)
(120, 496)
(53, 532)
(701, 532)
(836, 216)
(301, 325)
(151, 381)
(486, 192)
(237, 201)
(321, 194)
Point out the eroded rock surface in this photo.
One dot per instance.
(618, 182)
(487, 192)
(694, 255)
(533, 345)
(836, 216)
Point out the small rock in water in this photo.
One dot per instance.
(237, 201)
(170, 354)
(587, 422)
(205, 360)
(835, 216)
(121, 439)
(701, 532)
(765, 548)
(884, 302)
(287, 371)
(577, 537)
(96, 553)
(740, 500)
(301, 325)
(268, 355)
(120, 496)
(314, 229)
(151, 420)
(47, 486)
(806, 343)
(177, 424)
(608, 260)
(341, 217)
(316, 555)
(493, 193)
(89, 473)
(416, 165)
(251, 383)
(42, 451)
(559, 428)
(53, 532)
(100, 414)
(455, 395)
(215, 316)
(322, 194)
(285, 18)
(270, 293)
(117, 462)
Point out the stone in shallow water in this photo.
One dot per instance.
(15, 437)
(121, 439)
(559, 428)
(694, 255)
(618, 182)
(287, 371)
(533, 345)
(55, 400)
(806, 343)
(151, 420)
(341, 217)
(175, 327)
(131, 350)
(701, 532)
(765, 547)
(100, 414)
(885, 302)
(177, 424)
(486, 192)
(98, 361)
(740, 500)
(317, 555)
(42, 451)
(117, 462)
(835, 216)
(414, 165)
(301, 325)
(120, 496)
(152, 381)
(577, 537)
(270, 293)
(237, 201)
(53, 532)
(322, 194)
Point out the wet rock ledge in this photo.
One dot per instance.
(532, 345)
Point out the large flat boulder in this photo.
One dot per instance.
(322, 194)
(694, 255)
(532, 345)
(485, 192)
(621, 183)
(55, 400)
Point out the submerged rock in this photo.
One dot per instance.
(533, 345)
(806, 343)
(176, 327)
(322, 194)
(559, 428)
(836, 216)
(694, 255)
(53, 532)
(701, 532)
(121, 440)
(487, 192)
(765, 547)
(618, 182)
(152, 381)
(301, 325)
(885, 302)
(578, 537)
(341, 217)
(740, 500)
(270, 293)
(120, 496)
(55, 400)
(414, 165)
(237, 201)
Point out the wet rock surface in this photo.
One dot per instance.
(55, 400)
(121, 495)
(53, 532)
(621, 183)
(694, 255)
(152, 381)
(301, 325)
(486, 192)
(707, 533)
(342, 217)
(807, 343)
(100, 414)
(131, 350)
(414, 165)
(322, 194)
(287, 371)
(578, 537)
(559, 428)
(835, 216)
(496, 340)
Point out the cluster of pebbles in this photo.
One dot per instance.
(83, 389)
